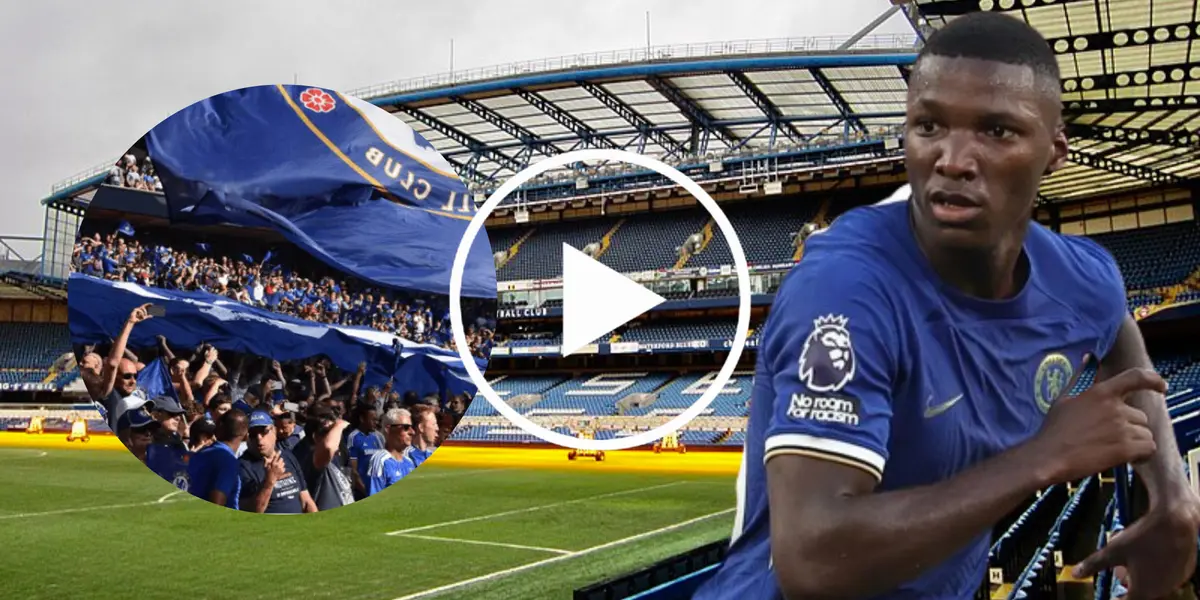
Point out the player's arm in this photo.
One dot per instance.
(832, 536)
(112, 364)
(308, 505)
(355, 455)
(210, 356)
(227, 480)
(323, 452)
(1162, 474)
(1158, 550)
(358, 376)
(274, 469)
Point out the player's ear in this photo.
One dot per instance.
(1059, 149)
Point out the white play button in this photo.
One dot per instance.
(597, 299)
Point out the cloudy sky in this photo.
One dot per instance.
(84, 80)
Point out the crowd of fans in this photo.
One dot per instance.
(128, 174)
(267, 281)
(258, 435)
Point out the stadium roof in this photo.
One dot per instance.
(1131, 83)
(1131, 86)
(685, 101)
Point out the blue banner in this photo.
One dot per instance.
(350, 184)
(155, 380)
(97, 310)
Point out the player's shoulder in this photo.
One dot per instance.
(1080, 251)
(1069, 264)
(855, 257)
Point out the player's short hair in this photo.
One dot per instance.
(393, 416)
(218, 400)
(995, 37)
(232, 425)
(420, 411)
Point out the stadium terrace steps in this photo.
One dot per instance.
(1155, 257)
(606, 241)
(515, 248)
(32, 345)
(540, 255)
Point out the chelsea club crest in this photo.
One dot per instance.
(1052, 377)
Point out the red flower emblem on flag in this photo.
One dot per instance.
(317, 100)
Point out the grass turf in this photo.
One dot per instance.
(97, 524)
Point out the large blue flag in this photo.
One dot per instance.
(97, 310)
(337, 176)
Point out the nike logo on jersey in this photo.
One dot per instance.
(933, 411)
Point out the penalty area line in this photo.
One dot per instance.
(435, 538)
(541, 563)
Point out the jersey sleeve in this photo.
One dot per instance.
(1110, 307)
(829, 350)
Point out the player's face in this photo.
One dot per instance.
(139, 440)
(370, 420)
(429, 429)
(262, 439)
(285, 427)
(91, 363)
(127, 377)
(979, 137)
(172, 423)
(221, 409)
(401, 433)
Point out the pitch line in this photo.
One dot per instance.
(66, 511)
(484, 543)
(533, 565)
(529, 509)
(164, 498)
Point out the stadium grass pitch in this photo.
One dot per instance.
(479, 523)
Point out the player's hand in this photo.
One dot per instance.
(275, 468)
(1155, 555)
(139, 314)
(210, 355)
(1096, 430)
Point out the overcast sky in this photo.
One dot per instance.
(84, 80)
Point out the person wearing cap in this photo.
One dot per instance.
(168, 454)
(271, 478)
(390, 465)
(137, 430)
(424, 442)
(214, 473)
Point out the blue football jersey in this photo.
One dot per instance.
(384, 470)
(215, 468)
(870, 360)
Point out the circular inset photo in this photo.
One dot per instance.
(259, 301)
